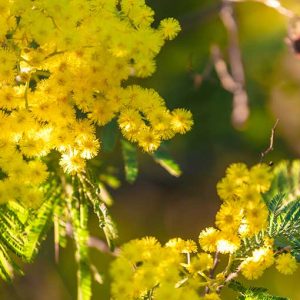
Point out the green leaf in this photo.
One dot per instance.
(130, 161)
(109, 135)
(79, 215)
(162, 157)
(283, 202)
(106, 223)
(37, 228)
(106, 197)
(236, 286)
(11, 238)
(93, 194)
(59, 225)
(275, 203)
(7, 266)
(252, 293)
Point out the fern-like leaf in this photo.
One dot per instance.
(37, 228)
(253, 293)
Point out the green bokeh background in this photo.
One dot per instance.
(162, 206)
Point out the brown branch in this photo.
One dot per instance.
(283, 250)
(216, 261)
(240, 112)
(101, 246)
(230, 277)
(94, 242)
(212, 270)
(198, 77)
(271, 145)
(225, 77)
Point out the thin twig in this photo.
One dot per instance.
(198, 77)
(283, 250)
(216, 261)
(271, 145)
(212, 270)
(94, 242)
(230, 277)
(101, 246)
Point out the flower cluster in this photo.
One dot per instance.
(179, 270)
(63, 69)
(243, 212)
(147, 268)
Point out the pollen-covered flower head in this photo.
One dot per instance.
(286, 263)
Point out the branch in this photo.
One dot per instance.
(271, 146)
(233, 80)
(230, 277)
(225, 77)
(240, 112)
(94, 242)
(198, 77)
(101, 246)
(216, 261)
(212, 270)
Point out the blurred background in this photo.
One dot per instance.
(160, 205)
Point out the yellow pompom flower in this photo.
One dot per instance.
(252, 269)
(182, 246)
(101, 112)
(148, 139)
(264, 256)
(37, 172)
(169, 28)
(261, 177)
(256, 214)
(72, 162)
(32, 197)
(238, 173)
(248, 194)
(228, 242)
(227, 189)
(88, 146)
(181, 121)
(11, 97)
(208, 239)
(254, 266)
(202, 262)
(8, 64)
(229, 217)
(286, 263)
